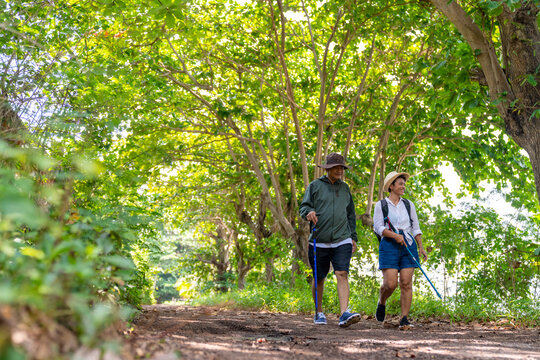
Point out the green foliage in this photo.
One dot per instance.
(75, 264)
(493, 259)
(182, 114)
(272, 298)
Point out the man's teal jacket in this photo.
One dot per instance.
(334, 206)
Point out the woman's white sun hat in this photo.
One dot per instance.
(389, 179)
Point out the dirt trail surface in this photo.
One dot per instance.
(166, 332)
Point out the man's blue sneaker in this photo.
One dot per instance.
(319, 319)
(348, 318)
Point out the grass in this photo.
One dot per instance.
(277, 298)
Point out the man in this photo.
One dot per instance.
(329, 206)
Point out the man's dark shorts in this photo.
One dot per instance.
(395, 256)
(340, 257)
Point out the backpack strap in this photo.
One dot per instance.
(384, 208)
(408, 207)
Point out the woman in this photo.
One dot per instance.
(397, 232)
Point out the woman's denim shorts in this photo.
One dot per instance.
(395, 256)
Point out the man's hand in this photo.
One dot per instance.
(312, 216)
(354, 247)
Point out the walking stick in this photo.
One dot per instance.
(315, 266)
(418, 264)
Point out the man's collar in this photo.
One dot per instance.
(327, 179)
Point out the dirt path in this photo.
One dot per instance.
(165, 332)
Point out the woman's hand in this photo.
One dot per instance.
(423, 253)
(399, 239)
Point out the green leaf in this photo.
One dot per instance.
(64, 247)
(453, 98)
(89, 168)
(170, 20)
(32, 252)
(440, 65)
(8, 293)
(470, 104)
(535, 114)
(494, 8)
(119, 261)
(43, 162)
(21, 210)
(530, 79)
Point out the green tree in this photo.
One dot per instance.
(504, 38)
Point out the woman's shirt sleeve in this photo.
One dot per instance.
(378, 220)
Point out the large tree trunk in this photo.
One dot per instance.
(517, 88)
(521, 53)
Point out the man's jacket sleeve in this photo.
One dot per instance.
(307, 203)
(351, 217)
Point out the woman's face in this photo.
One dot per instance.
(398, 186)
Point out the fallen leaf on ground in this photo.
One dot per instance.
(405, 354)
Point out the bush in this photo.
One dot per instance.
(61, 265)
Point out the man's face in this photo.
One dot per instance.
(335, 173)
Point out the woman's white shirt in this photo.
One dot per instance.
(398, 216)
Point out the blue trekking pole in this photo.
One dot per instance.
(315, 266)
(417, 263)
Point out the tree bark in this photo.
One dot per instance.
(269, 271)
(11, 126)
(300, 251)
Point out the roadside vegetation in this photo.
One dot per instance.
(158, 151)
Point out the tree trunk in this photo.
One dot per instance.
(516, 90)
(223, 238)
(11, 126)
(521, 53)
(242, 267)
(269, 271)
(300, 251)
(243, 270)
